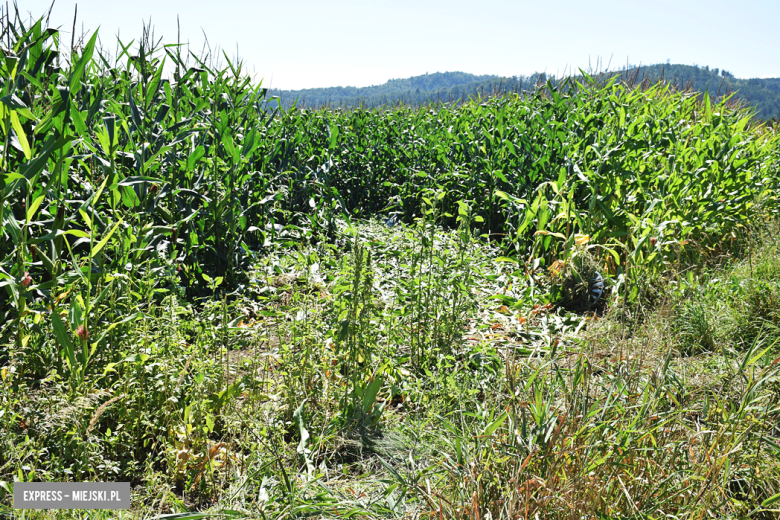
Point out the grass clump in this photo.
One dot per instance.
(696, 327)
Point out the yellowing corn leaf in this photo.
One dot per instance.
(556, 266)
(214, 450)
(550, 233)
(581, 239)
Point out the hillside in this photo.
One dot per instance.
(763, 94)
(439, 86)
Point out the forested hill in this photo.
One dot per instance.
(763, 94)
(439, 86)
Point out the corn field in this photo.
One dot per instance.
(130, 176)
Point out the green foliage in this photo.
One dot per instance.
(199, 296)
(761, 94)
(697, 330)
(122, 166)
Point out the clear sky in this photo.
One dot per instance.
(293, 44)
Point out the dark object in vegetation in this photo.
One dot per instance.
(392, 221)
(596, 288)
(581, 287)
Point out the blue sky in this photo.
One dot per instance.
(304, 44)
